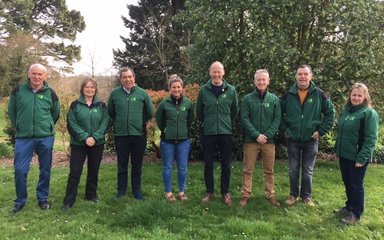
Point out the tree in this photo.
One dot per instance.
(48, 21)
(154, 46)
(342, 40)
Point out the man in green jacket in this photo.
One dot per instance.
(260, 117)
(307, 114)
(216, 108)
(131, 108)
(33, 110)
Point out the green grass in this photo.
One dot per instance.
(155, 218)
(2, 120)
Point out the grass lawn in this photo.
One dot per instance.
(155, 218)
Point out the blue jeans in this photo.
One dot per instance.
(170, 151)
(24, 149)
(353, 179)
(301, 153)
(221, 145)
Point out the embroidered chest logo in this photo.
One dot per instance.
(224, 95)
(310, 100)
(266, 105)
(94, 109)
(351, 118)
(39, 96)
(182, 108)
(132, 99)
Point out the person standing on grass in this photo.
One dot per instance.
(87, 121)
(33, 110)
(260, 117)
(216, 108)
(307, 114)
(131, 108)
(356, 139)
(174, 118)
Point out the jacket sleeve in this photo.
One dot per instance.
(55, 110)
(283, 105)
(111, 107)
(199, 107)
(160, 116)
(328, 117)
(234, 106)
(150, 109)
(190, 116)
(73, 126)
(274, 126)
(99, 134)
(12, 112)
(371, 126)
(246, 121)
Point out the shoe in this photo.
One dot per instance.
(94, 199)
(227, 199)
(273, 201)
(170, 198)
(44, 205)
(350, 219)
(309, 202)
(119, 195)
(342, 212)
(182, 197)
(65, 207)
(207, 197)
(138, 195)
(244, 200)
(17, 208)
(291, 200)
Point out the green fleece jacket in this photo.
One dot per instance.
(85, 121)
(216, 113)
(301, 121)
(33, 114)
(174, 118)
(357, 133)
(260, 115)
(130, 112)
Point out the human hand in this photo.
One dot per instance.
(262, 139)
(358, 165)
(90, 141)
(316, 135)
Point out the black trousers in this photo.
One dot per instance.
(94, 155)
(129, 147)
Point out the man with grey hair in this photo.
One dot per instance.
(33, 109)
(260, 117)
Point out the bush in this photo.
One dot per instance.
(6, 150)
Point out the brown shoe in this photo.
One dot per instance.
(244, 200)
(309, 202)
(291, 200)
(274, 201)
(207, 197)
(182, 197)
(227, 198)
(350, 219)
(170, 198)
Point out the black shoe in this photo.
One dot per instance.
(44, 205)
(65, 207)
(94, 199)
(119, 195)
(342, 212)
(138, 195)
(17, 208)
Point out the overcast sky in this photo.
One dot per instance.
(104, 27)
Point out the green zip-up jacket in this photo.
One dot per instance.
(217, 113)
(174, 118)
(357, 133)
(85, 121)
(260, 115)
(301, 121)
(130, 112)
(33, 114)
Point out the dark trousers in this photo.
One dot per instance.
(353, 178)
(223, 145)
(94, 155)
(129, 147)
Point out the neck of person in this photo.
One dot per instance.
(217, 83)
(88, 100)
(37, 88)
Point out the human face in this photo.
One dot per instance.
(261, 82)
(357, 96)
(176, 89)
(89, 90)
(37, 75)
(127, 79)
(303, 77)
(216, 71)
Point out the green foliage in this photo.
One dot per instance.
(6, 150)
(153, 47)
(155, 218)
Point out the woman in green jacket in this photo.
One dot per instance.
(87, 121)
(174, 118)
(355, 143)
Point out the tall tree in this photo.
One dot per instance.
(154, 46)
(343, 41)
